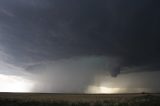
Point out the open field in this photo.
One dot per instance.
(40, 99)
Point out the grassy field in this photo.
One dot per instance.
(38, 99)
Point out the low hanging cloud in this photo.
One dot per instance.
(91, 75)
(69, 75)
(125, 83)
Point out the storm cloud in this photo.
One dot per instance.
(76, 40)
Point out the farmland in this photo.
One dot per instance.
(46, 99)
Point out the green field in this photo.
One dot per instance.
(39, 99)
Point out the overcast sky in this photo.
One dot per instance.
(73, 45)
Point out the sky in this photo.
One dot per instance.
(79, 46)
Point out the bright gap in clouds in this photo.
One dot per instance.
(103, 89)
(10, 83)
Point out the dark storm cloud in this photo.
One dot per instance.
(124, 33)
(126, 29)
